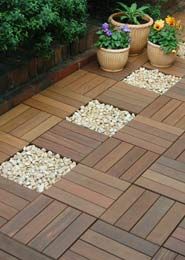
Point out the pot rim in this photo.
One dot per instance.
(153, 44)
(115, 51)
(138, 26)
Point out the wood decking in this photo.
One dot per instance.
(126, 197)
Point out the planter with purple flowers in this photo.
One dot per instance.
(113, 47)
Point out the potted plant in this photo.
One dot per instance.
(163, 42)
(113, 47)
(138, 22)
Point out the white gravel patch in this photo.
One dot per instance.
(36, 168)
(181, 51)
(152, 80)
(103, 118)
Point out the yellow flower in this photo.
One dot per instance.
(174, 51)
(170, 20)
(159, 25)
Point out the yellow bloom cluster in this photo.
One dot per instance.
(159, 24)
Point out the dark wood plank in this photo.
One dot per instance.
(18, 250)
(125, 238)
(67, 238)
(29, 231)
(27, 214)
(54, 229)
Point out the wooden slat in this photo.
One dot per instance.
(27, 214)
(127, 97)
(149, 134)
(109, 245)
(67, 238)
(122, 204)
(36, 225)
(88, 190)
(165, 177)
(54, 229)
(165, 254)
(70, 140)
(125, 238)
(17, 189)
(18, 250)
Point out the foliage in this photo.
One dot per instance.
(165, 34)
(111, 38)
(154, 10)
(37, 24)
(132, 14)
(73, 17)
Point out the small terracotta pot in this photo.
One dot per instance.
(158, 58)
(139, 33)
(112, 60)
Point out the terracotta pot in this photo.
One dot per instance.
(158, 58)
(139, 33)
(112, 60)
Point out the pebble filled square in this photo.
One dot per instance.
(152, 80)
(102, 118)
(36, 168)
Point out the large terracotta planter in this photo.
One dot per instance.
(112, 60)
(139, 33)
(158, 58)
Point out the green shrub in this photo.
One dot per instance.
(37, 24)
(73, 16)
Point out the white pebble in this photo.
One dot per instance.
(152, 80)
(102, 118)
(36, 168)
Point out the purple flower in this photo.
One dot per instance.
(125, 29)
(105, 27)
(108, 33)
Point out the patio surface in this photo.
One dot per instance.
(126, 197)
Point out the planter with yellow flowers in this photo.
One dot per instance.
(163, 42)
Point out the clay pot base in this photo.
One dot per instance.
(107, 70)
(161, 66)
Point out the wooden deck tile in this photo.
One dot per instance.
(165, 254)
(166, 176)
(120, 159)
(149, 134)
(177, 91)
(176, 242)
(71, 255)
(56, 248)
(26, 215)
(88, 190)
(6, 256)
(18, 190)
(86, 251)
(27, 123)
(14, 248)
(128, 97)
(70, 140)
(104, 240)
(9, 145)
(50, 105)
(167, 110)
(145, 214)
(177, 150)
